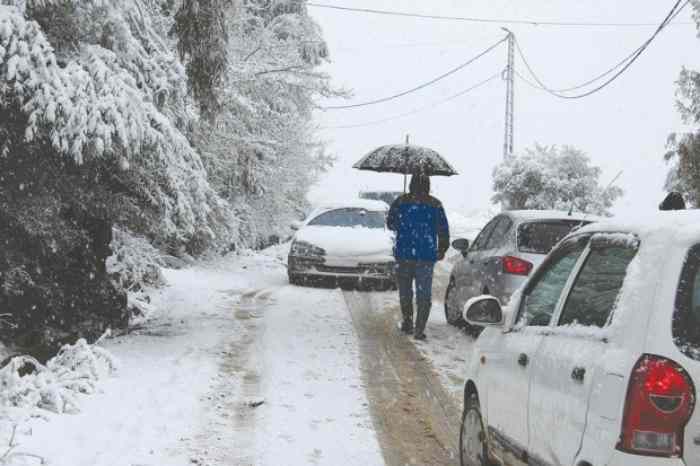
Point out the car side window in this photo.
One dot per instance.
(541, 298)
(498, 236)
(483, 237)
(595, 291)
(686, 315)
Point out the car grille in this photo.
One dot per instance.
(334, 269)
(359, 270)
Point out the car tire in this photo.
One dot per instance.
(473, 450)
(457, 321)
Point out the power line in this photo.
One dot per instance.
(530, 22)
(421, 86)
(624, 64)
(418, 110)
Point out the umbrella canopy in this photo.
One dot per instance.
(406, 159)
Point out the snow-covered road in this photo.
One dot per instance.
(243, 369)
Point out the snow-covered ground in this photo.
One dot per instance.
(189, 380)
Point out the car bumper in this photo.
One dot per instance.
(319, 267)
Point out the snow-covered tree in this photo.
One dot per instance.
(683, 152)
(261, 152)
(183, 123)
(551, 177)
(94, 132)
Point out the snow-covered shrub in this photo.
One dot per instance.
(552, 178)
(76, 369)
(135, 263)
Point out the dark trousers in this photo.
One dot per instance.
(422, 273)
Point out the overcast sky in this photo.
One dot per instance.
(624, 127)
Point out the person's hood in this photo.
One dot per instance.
(348, 241)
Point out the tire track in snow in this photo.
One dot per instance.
(416, 420)
(228, 437)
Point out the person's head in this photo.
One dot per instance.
(420, 185)
(674, 201)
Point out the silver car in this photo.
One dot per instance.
(502, 256)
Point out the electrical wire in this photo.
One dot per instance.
(530, 22)
(418, 110)
(421, 86)
(622, 65)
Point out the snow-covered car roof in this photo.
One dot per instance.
(680, 227)
(551, 215)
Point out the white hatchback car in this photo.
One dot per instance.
(344, 242)
(595, 359)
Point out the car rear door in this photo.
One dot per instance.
(470, 279)
(507, 357)
(491, 265)
(570, 359)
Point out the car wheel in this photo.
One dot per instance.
(472, 448)
(453, 316)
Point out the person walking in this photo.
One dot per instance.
(422, 238)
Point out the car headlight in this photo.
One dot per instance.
(304, 249)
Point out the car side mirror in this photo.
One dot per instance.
(462, 245)
(484, 311)
(296, 225)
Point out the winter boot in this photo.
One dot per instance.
(407, 312)
(422, 319)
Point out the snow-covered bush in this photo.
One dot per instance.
(76, 369)
(134, 262)
(552, 178)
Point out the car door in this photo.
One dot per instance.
(570, 358)
(491, 264)
(469, 278)
(507, 357)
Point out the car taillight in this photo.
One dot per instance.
(660, 401)
(516, 266)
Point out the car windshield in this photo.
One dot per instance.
(540, 237)
(350, 217)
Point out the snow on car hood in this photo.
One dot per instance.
(348, 241)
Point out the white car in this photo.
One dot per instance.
(344, 242)
(595, 360)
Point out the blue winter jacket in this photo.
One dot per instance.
(422, 231)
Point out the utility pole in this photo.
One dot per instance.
(508, 76)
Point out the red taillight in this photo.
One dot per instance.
(660, 401)
(516, 266)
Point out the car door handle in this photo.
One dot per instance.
(578, 374)
(523, 360)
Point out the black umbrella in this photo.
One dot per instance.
(406, 159)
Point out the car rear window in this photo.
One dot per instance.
(540, 237)
(686, 316)
(350, 218)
